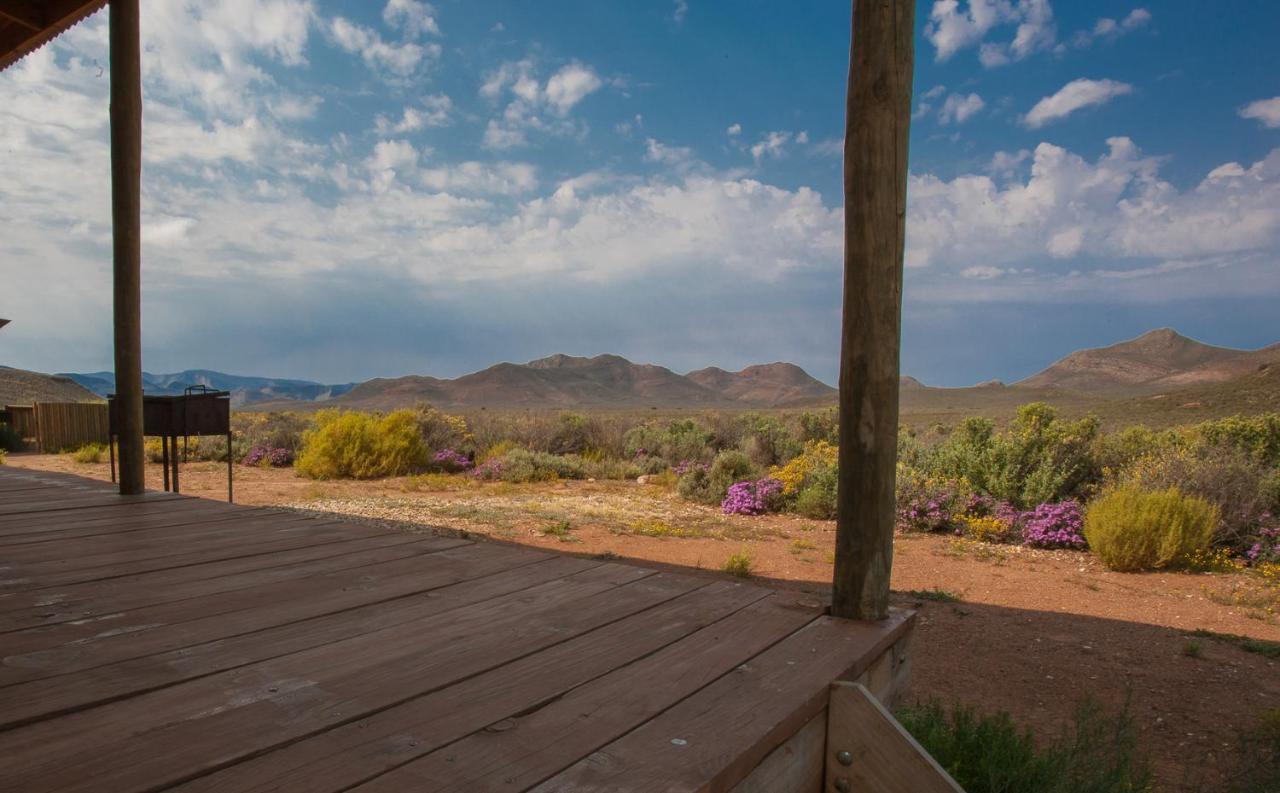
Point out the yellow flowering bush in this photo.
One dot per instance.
(985, 528)
(817, 455)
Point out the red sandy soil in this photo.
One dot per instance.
(1034, 633)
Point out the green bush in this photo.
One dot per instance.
(822, 426)
(766, 440)
(10, 440)
(522, 465)
(990, 754)
(1132, 529)
(1039, 459)
(709, 486)
(89, 453)
(1258, 436)
(676, 442)
(817, 497)
(351, 445)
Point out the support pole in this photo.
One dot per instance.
(877, 122)
(126, 237)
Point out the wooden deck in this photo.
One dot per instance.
(162, 642)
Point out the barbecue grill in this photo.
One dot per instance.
(199, 410)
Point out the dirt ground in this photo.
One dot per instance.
(1032, 632)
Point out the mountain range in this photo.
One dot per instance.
(1160, 364)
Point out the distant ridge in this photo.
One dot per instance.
(566, 381)
(1156, 360)
(244, 390)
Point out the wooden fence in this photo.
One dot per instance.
(69, 425)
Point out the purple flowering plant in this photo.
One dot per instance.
(752, 497)
(687, 466)
(488, 470)
(451, 461)
(1266, 547)
(271, 456)
(1059, 525)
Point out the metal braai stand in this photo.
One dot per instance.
(198, 411)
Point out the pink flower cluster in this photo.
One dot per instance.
(752, 498)
(488, 470)
(1058, 525)
(451, 461)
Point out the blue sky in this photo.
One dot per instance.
(342, 190)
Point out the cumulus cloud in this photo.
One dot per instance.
(1265, 110)
(1116, 209)
(434, 111)
(733, 130)
(535, 105)
(414, 18)
(655, 151)
(680, 11)
(771, 144)
(954, 26)
(960, 108)
(400, 59)
(1073, 96)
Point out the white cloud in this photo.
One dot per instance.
(399, 59)
(953, 26)
(772, 144)
(960, 108)
(734, 130)
(413, 17)
(477, 178)
(535, 105)
(571, 85)
(1035, 232)
(1265, 110)
(668, 155)
(680, 12)
(1074, 96)
(434, 112)
(1109, 28)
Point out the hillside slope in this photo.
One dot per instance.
(21, 387)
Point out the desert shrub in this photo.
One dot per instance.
(710, 485)
(1264, 546)
(811, 462)
(987, 528)
(1058, 525)
(753, 497)
(766, 440)
(1226, 476)
(274, 430)
(362, 446)
(440, 430)
(990, 754)
(817, 496)
(1132, 529)
(738, 564)
(268, 457)
(674, 441)
(10, 440)
(522, 465)
(820, 426)
(1039, 459)
(490, 470)
(1117, 451)
(928, 503)
(1258, 436)
(90, 453)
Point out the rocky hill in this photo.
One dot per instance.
(1155, 361)
(20, 387)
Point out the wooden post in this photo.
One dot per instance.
(126, 236)
(877, 122)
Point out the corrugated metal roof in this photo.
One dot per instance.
(27, 25)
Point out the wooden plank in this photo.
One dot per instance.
(180, 515)
(170, 736)
(12, 512)
(525, 749)
(160, 582)
(244, 537)
(795, 767)
(877, 124)
(109, 600)
(53, 696)
(881, 755)
(345, 756)
(713, 739)
(36, 655)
